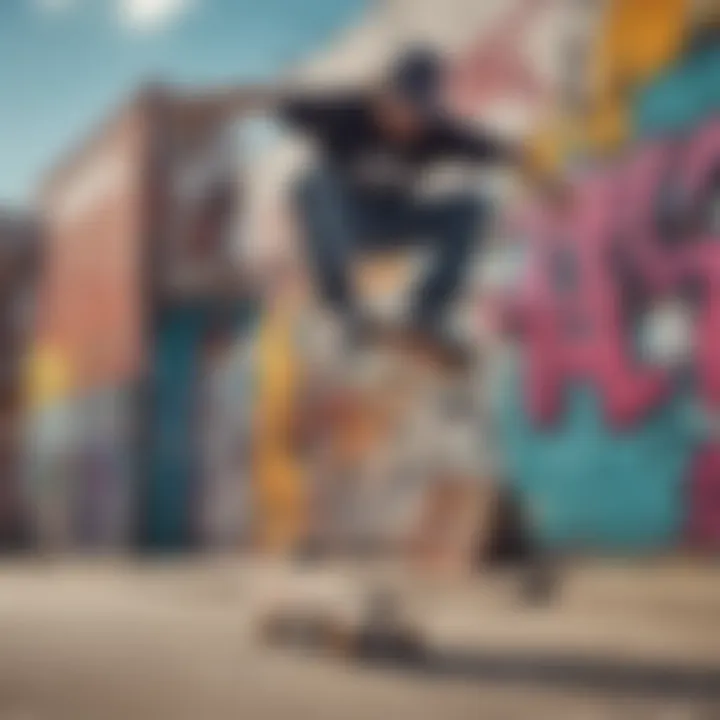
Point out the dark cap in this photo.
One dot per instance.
(417, 76)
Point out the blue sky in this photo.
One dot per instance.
(63, 63)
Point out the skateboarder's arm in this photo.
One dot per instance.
(478, 146)
(303, 113)
(321, 115)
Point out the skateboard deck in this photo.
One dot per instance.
(377, 636)
(452, 357)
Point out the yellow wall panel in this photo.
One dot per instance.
(279, 479)
(637, 39)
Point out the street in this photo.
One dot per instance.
(105, 640)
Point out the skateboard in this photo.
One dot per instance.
(444, 355)
(381, 635)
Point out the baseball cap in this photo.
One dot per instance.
(416, 75)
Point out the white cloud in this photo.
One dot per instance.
(148, 15)
(55, 6)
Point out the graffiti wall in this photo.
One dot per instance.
(612, 430)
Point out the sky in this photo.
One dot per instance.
(66, 63)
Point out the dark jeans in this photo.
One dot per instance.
(341, 221)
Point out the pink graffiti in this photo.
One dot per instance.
(574, 327)
(645, 218)
(663, 221)
(640, 182)
(646, 229)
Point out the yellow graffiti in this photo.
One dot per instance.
(48, 378)
(279, 477)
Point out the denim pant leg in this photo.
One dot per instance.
(450, 227)
(328, 214)
(338, 222)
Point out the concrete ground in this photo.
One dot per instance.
(108, 640)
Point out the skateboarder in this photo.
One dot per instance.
(360, 194)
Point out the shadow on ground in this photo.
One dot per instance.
(568, 672)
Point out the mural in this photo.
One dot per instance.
(615, 445)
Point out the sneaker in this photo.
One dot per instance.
(436, 340)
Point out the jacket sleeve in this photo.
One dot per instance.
(478, 146)
(301, 113)
(313, 115)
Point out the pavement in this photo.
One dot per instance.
(110, 639)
